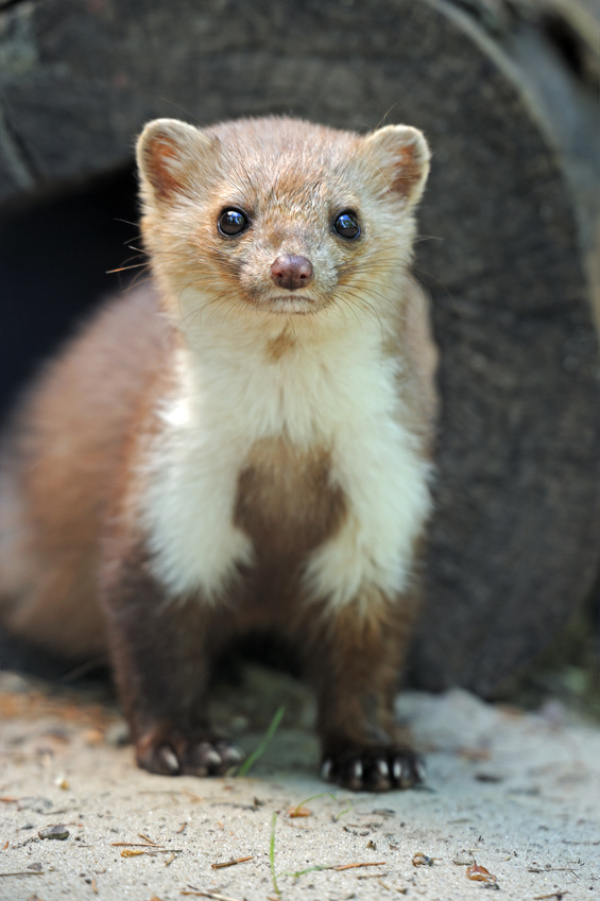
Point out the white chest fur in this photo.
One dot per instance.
(340, 393)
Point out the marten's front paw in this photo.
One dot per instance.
(174, 755)
(374, 769)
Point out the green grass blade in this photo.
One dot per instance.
(260, 750)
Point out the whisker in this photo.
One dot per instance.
(125, 268)
(126, 222)
(140, 278)
(420, 238)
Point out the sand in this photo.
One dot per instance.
(515, 793)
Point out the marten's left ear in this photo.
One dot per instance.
(173, 158)
(401, 155)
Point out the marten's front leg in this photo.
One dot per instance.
(355, 660)
(161, 652)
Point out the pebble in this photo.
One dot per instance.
(56, 832)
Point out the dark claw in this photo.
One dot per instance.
(230, 754)
(408, 775)
(326, 770)
(374, 769)
(213, 758)
(201, 759)
(167, 761)
(173, 755)
(380, 776)
(420, 770)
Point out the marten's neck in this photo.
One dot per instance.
(303, 380)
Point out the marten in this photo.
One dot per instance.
(241, 444)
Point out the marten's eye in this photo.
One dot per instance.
(346, 225)
(232, 222)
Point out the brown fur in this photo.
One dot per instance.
(285, 500)
(63, 449)
(280, 345)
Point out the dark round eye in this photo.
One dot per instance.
(346, 225)
(232, 222)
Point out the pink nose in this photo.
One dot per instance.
(291, 271)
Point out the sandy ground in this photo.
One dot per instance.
(517, 794)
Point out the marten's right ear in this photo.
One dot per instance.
(171, 158)
(401, 155)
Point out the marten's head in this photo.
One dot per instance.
(263, 218)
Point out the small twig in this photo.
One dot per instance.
(25, 873)
(133, 845)
(148, 840)
(559, 895)
(231, 863)
(131, 852)
(553, 870)
(207, 894)
(352, 866)
(191, 795)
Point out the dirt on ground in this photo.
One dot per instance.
(511, 805)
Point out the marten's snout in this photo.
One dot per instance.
(291, 271)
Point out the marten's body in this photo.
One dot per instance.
(241, 446)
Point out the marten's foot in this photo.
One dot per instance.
(171, 754)
(375, 769)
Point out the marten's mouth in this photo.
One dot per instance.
(290, 304)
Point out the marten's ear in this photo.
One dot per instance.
(401, 155)
(171, 158)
